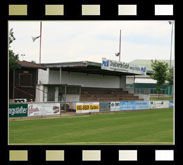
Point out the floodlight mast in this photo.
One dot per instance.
(120, 47)
(40, 41)
(119, 53)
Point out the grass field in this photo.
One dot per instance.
(137, 127)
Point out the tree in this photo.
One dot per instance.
(170, 77)
(12, 56)
(160, 73)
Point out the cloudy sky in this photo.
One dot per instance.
(66, 41)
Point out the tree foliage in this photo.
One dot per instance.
(170, 77)
(160, 73)
(12, 56)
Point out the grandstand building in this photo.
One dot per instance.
(86, 81)
(23, 81)
(143, 84)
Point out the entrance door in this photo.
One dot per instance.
(51, 93)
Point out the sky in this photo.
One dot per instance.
(67, 41)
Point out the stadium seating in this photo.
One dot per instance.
(106, 94)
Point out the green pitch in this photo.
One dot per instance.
(137, 127)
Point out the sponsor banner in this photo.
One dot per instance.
(115, 106)
(159, 104)
(104, 106)
(122, 67)
(43, 109)
(141, 104)
(127, 105)
(87, 107)
(18, 110)
(171, 104)
(134, 105)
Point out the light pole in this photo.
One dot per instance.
(119, 53)
(171, 23)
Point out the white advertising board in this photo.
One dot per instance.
(159, 104)
(115, 106)
(43, 109)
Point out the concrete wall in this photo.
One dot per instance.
(45, 96)
(90, 80)
(54, 77)
(43, 76)
(39, 93)
(72, 97)
(143, 96)
(123, 82)
(130, 80)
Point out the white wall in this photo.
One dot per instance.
(45, 95)
(130, 80)
(43, 76)
(90, 80)
(146, 97)
(72, 97)
(54, 77)
(39, 93)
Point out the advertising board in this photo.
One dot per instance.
(134, 105)
(122, 67)
(141, 104)
(18, 110)
(104, 106)
(87, 107)
(159, 104)
(43, 109)
(171, 104)
(115, 106)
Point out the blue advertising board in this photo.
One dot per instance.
(142, 104)
(134, 105)
(171, 104)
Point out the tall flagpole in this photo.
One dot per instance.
(40, 41)
(120, 47)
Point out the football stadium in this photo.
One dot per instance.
(86, 103)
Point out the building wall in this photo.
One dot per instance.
(130, 80)
(146, 97)
(39, 93)
(90, 80)
(72, 97)
(10, 85)
(43, 76)
(25, 91)
(54, 76)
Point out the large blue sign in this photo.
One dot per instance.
(142, 104)
(171, 104)
(134, 105)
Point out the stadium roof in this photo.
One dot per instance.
(26, 64)
(147, 63)
(84, 67)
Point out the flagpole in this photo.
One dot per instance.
(40, 41)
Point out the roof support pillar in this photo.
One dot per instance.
(60, 75)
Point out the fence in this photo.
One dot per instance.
(49, 109)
